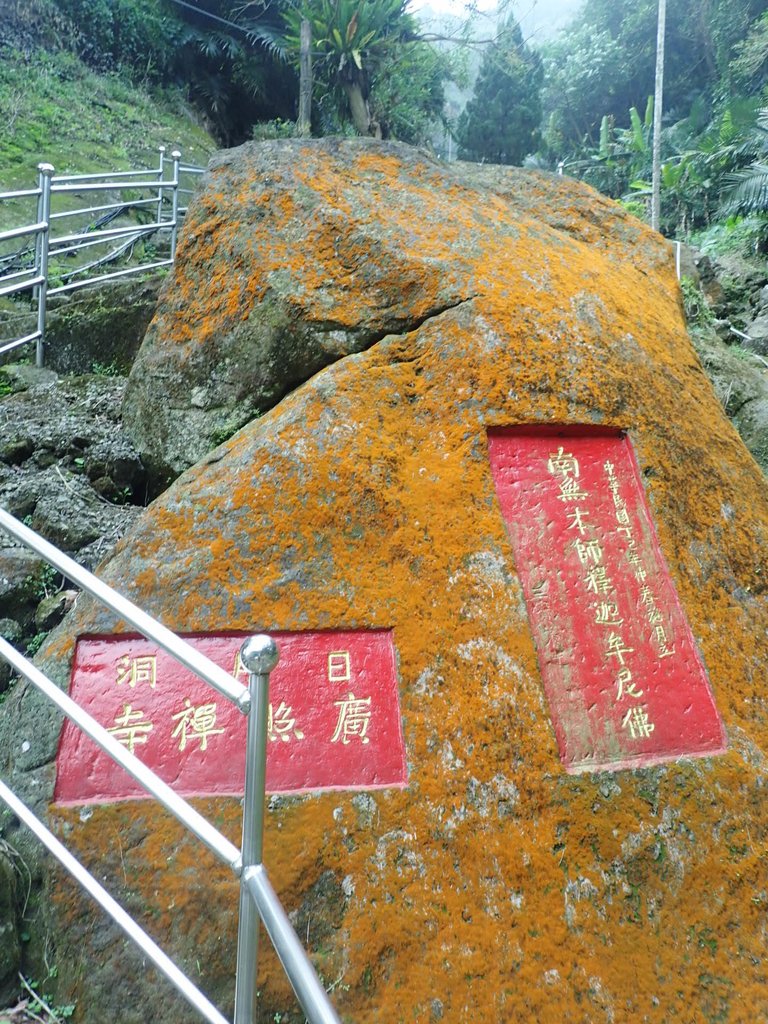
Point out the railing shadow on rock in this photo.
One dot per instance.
(257, 900)
(139, 193)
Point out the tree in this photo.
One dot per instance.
(657, 113)
(229, 68)
(407, 96)
(605, 62)
(352, 41)
(746, 191)
(500, 123)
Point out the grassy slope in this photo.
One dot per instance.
(55, 109)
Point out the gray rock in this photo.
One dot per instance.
(16, 451)
(10, 942)
(366, 500)
(10, 630)
(740, 380)
(22, 376)
(71, 515)
(21, 586)
(234, 332)
(102, 326)
(68, 429)
(757, 330)
(53, 608)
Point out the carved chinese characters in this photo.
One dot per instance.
(624, 680)
(333, 718)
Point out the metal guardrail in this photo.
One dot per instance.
(28, 269)
(258, 900)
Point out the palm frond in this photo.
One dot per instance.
(746, 191)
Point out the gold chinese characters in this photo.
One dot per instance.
(190, 726)
(599, 586)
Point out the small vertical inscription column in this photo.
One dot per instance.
(625, 683)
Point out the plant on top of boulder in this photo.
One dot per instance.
(351, 41)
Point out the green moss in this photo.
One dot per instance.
(56, 110)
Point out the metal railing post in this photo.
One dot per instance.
(160, 175)
(45, 172)
(259, 655)
(176, 157)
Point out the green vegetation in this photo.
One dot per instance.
(370, 67)
(103, 83)
(501, 121)
(107, 369)
(45, 582)
(38, 1005)
(697, 312)
(34, 644)
(599, 75)
(57, 108)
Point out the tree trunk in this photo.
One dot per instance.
(358, 107)
(305, 80)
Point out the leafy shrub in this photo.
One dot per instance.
(743, 236)
(275, 129)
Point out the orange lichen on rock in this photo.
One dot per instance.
(495, 887)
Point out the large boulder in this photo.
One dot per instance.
(495, 886)
(292, 257)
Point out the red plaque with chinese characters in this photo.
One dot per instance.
(624, 680)
(334, 717)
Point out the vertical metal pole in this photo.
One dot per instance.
(160, 173)
(176, 157)
(41, 256)
(657, 112)
(259, 654)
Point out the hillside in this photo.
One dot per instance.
(55, 109)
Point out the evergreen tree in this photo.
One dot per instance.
(500, 123)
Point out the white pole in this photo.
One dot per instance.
(657, 110)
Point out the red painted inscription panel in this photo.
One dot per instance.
(623, 677)
(334, 717)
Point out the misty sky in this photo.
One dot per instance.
(536, 17)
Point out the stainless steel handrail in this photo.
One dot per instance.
(20, 286)
(147, 945)
(135, 232)
(129, 204)
(21, 194)
(11, 345)
(160, 790)
(131, 613)
(90, 237)
(74, 285)
(19, 273)
(163, 190)
(106, 175)
(28, 229)
(258, 900)
(304, 981)
(108, 186)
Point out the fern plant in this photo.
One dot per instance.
(746, 191)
